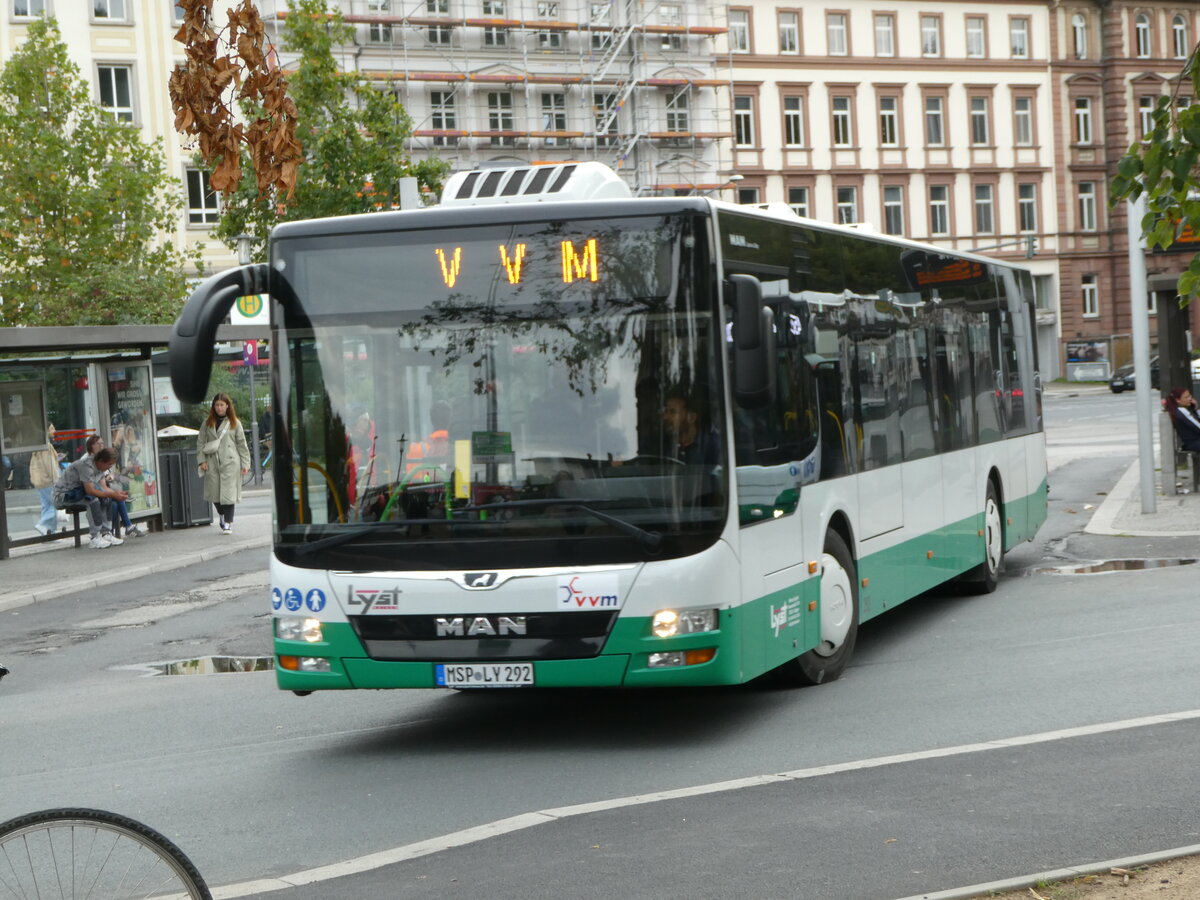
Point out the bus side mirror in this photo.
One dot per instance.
(753, 343)
(190, 352)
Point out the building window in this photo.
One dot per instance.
(1179, 37)
(843, 135)
(1023, 121)
(1027, 207)
(500, 117)
(178, 12)
(935, 131)
(1141, 32)
(605, 113)
(789, 32)
(939, 209)
(1018, 38)
(931, 36)
(1087, 206)
(554, 117)
(885, 34)
(1145, 116)
(889, 122)
(743, 121)
(835, 29)
(444, 117)
(379, 32)
(495, 37)
(893, 209)
(108, 9)
(793, 121)
(116, 91)
(747, 195)
(671, 15)
(438, 34)
(601, 22)
(548, 40)
(28, 9)
(798, 200)
(847, 205)
(979, 121)
(739, 30)
(678, 119)
(204, 207)
(1091, 297)
(985, 220)
(1083, 120)
(1079, 36)
(975, 37)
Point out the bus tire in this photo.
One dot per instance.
(984, 577)
(839, 620)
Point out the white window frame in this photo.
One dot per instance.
(34, 9)
(679, 112)
(1081, 110)
(889, 121)
(935, 117)
(1027, 211)
(836, 35)
(208, 212)
(1018, 38)
(1089, 290)
(493, 36)
(1085, 192)
(110, 10)
(931, 36)
(976, 37)
(379, 32)
(885, 34)
(841, 110)
(671, 14)
(1180, 42)
(600, 16)
(789, 32)
(893, 209)
(501, 117)
(793, 121)
(443, 116)
(798, 200)
(1145, 109)
(554, 116)
(985, 209)
(107, 72)
(739, 31)
(549, 11)
(1141, 36)
(939, 209)
(743, 121)
(1079, 36)
(980, 126)
(1023, 121)
(846, 204)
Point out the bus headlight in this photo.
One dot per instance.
(295, 628)
(670, 622)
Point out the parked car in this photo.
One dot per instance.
(1123, 379)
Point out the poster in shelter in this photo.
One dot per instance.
(131, 434)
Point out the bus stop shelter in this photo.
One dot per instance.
(84, 381)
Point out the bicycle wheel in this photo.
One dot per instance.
(76, 853)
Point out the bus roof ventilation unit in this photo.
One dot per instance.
(533, 184)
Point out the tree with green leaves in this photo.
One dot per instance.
(1162, 166)
(87, 210)
(350, 133)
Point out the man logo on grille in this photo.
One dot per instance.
(480, 579)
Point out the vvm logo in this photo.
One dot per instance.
(580, 592)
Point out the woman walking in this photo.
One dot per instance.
(224, 459)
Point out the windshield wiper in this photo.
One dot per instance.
(342, 537)
(651, 540)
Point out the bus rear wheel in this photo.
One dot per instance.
(839, 620)
(984, 577)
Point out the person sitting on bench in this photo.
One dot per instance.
(1181, 407)
(78, 487)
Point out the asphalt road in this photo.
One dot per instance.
(254, 784)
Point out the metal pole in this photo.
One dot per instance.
(257, 463)
(1140, 319)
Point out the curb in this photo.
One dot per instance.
(103, 579)
(1027, 881)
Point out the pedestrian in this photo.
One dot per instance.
(115, 478)
(43, 472)
(1181, 407)
(224, 459)
(79, 485)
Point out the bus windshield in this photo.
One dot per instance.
(544, 391)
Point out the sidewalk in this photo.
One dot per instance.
(42, 571)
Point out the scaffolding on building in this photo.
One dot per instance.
(640, 85)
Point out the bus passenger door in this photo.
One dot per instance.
(880, 492)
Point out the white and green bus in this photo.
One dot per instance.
(546, 434)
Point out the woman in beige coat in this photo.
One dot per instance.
(43, 472)
(224, 459)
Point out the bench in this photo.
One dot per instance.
(1193, 456)
(75, 510)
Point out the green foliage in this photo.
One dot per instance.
(86, 207)
(353, 134)
(1162, 167)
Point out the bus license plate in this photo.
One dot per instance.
(484, 675)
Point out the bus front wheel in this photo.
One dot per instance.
(839, 620)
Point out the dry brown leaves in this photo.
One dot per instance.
(221, 70)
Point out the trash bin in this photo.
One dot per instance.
(183, 500)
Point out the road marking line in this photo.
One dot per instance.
(528, 820)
